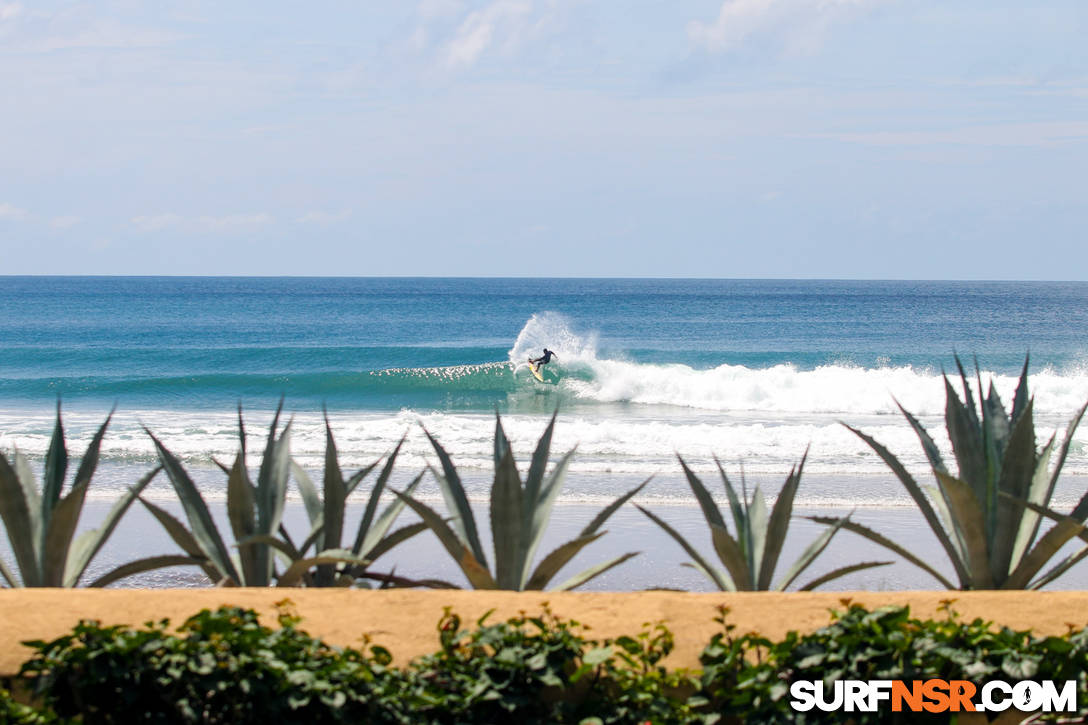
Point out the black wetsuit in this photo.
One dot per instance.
(545, 358)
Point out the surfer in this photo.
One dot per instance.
(545, 358)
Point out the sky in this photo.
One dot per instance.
(872, 139)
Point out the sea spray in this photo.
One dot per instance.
(751, 371)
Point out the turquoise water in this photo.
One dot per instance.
(751, 370)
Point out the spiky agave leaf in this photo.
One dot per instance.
(541, 512)
(1060, 568)
(881, 540)
(1018, 466)
(1043, 498)
(185, 540)
(519, 514)
(779, 524)
(989, 533)
(738, 554)
(327, 514)
(140, 566)
(311, 500)
(453, 491)
(474, 570)
(20, 510)
(372, 531)
(1065, 528)
(270, 492)
(90, 542)
(41, 526)
(810, 554)
(204, 532)
(956, 554)
(584, 577)
(333, 505)
(731, 553)
(550, 565)
(61, 526)
(841, 572)
(723, 581)
(711, 512)
(751, 557)
(9, 575)
(970, 520)
(56, 468)
(507, 522)
(241, 512)
(293, 575)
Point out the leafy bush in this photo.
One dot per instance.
(544, 670)
(14, 713)
(749, 676)
(223, 666)
(531, 666)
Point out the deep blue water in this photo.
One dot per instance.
(208, 342)
(755, 373)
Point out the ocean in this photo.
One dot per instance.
(754, 372)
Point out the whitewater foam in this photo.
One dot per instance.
(628, 419)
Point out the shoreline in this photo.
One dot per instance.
(659, 566)
(404, 621)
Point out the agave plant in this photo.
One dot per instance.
(255, 512)
(987, 516)
(326, 514)
(519, 515)
(750, 557)
(41, 525)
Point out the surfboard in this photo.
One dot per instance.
(535, 371)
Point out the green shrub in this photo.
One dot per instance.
(14, 713)
(750, 676)
(222, 667)
(537, 667)
(544, 670)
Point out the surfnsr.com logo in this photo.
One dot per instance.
(933, 696)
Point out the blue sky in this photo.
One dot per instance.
(744, 138)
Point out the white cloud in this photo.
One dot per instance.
(1043, 134)
(478, 31)
(323, 217)
(155, 222)
(10, 211)
(77, 27)
(228, 222)
(64, 222)
(9, 11)
(438, 9)
(234, 221)
(107, 34)
(802, 21)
